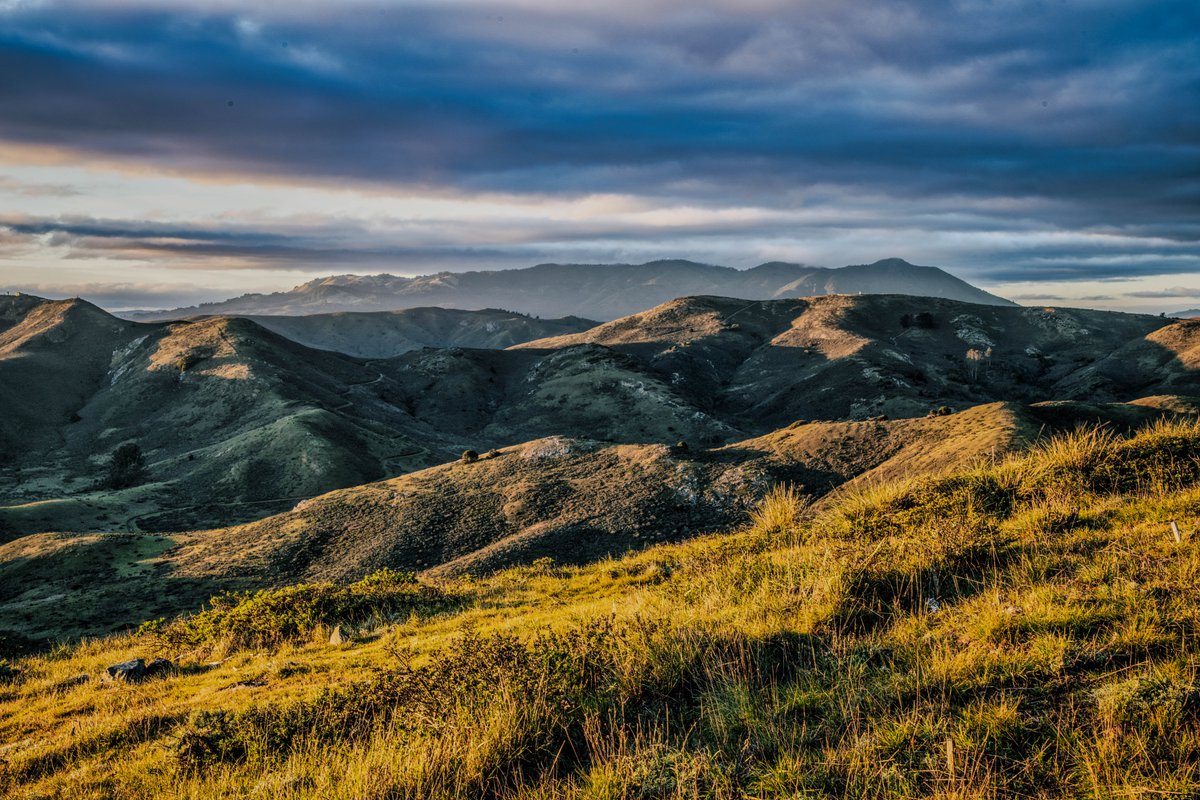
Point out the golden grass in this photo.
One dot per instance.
(1025, 628)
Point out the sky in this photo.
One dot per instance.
(156, 154)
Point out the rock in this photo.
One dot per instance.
(133, 670)
(337, 637)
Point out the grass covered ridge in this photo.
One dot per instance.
(1024, 628)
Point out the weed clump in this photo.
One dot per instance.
(779, 512)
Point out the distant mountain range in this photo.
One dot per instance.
(593, 291)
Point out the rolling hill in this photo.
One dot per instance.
(594, 291)
(572, 500)
(238, 422)
(233, 420)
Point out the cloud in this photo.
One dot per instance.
(13, 186)
(724, 103)
(1173, 291)
(200, 247)
(1019, 141)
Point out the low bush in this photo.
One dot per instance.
(270, 617)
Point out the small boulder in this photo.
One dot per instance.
(337, 637)
(133, 670)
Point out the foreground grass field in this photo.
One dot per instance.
(1025, 628)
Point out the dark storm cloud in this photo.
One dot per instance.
(1093, 108)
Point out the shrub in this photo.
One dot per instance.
(469, 457)
(126, 466)
(542, 566)
(192, 357)
(273, 616)
(522, 704)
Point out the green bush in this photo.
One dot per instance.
(126, 466)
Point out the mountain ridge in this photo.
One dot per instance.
(592, 291)
(237, 422)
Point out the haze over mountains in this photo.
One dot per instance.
(593, 291)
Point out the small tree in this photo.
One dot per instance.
(977, 359)
(126, 466)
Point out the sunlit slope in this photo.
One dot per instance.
(231, 418)
(53, 356)
(856, 356)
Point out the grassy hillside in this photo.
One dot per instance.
(53, 356)
(235, 422)
(1024, 627)
(571, 500)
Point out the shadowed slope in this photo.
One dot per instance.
(384, 334)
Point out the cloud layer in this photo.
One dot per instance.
(1027, 140)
